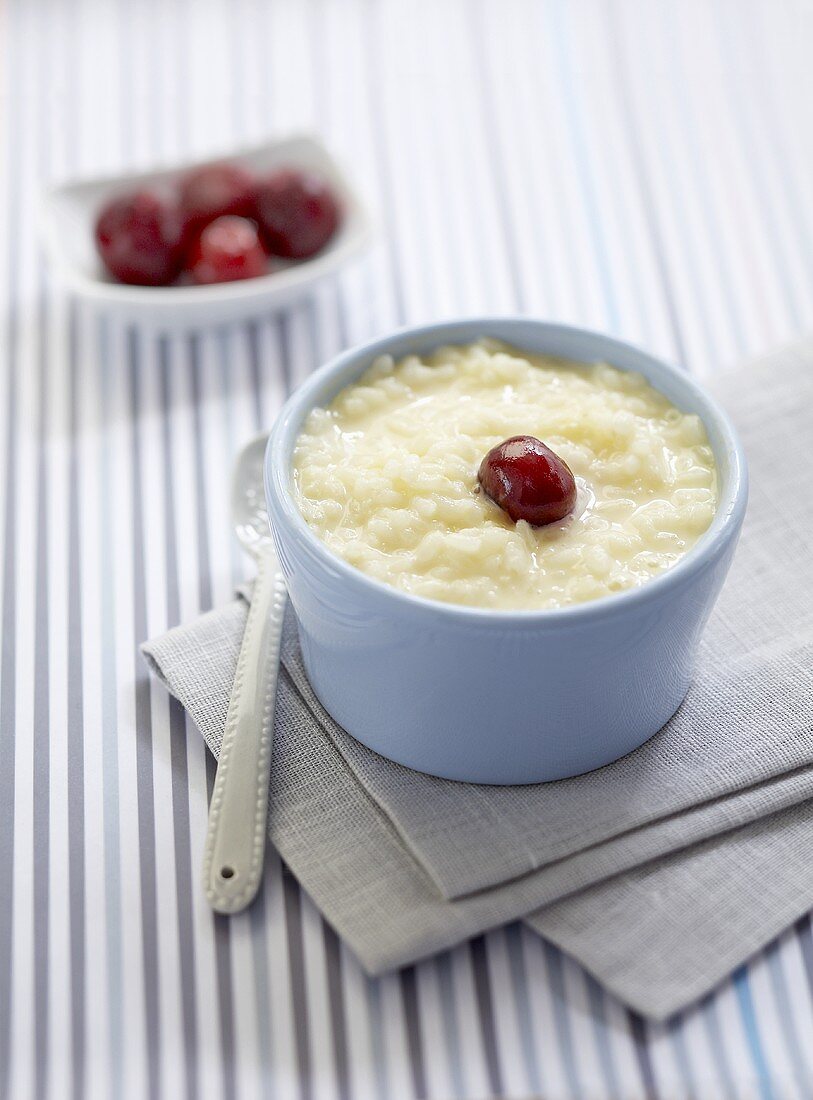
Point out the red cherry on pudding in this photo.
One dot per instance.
(528, 480)
(297, 212)
(228, 248)
(139, 239)
(214, 190)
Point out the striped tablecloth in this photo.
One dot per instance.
(640, 166)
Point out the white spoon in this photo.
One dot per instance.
(235, 842)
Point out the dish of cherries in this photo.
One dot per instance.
(221, 222)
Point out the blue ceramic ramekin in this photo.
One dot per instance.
(493, 696)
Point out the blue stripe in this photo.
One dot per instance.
(449, 1022)
(675, 1031)
(259, 912)
(561, 1015)
(790, 1033)
(41, 794)
(749, 1021)
(412, 1030)
(597, 997)
(804, 934)
(145, 792)
(514, 936)
(378, 1047)
(258, 915)
(640, 1041)
(184, 879)
(76, 741)
(334, 972)
(711, 1021)
(485, 1011)
(110, 733)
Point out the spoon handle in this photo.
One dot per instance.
(235, 841)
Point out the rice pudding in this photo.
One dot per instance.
(387, 477)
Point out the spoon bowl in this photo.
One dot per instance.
(248, 508)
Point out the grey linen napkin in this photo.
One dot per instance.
(634, 869)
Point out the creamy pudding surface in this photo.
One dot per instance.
(387, 477)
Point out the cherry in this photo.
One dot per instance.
(213, 190)
(297, 212)
(228, 248)
(138, 236)
(528, 480)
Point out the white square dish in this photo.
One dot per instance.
(70, 210)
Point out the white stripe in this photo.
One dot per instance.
(120, 521)
(89, 458)
(439, 1072)
(591, 1069)
(774, 1029)
(152, 476)
(360, 1042)
(507, 1024)
(623, 1049)
(186, 538)
(23, 942)
(797, 1028)
(735, 1040)
(321, 1038)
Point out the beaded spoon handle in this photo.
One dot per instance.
(234, 855)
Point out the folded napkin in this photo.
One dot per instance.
(661, 872)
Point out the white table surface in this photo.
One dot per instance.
(640, 166)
